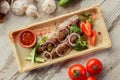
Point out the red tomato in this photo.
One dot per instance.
(77, 72)
(91, 78)
(86, 27)
(92, 38)
(94, 66)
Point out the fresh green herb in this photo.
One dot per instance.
(74, 28)
(37, 59)
(50, 48)
(43, 40)
(84, 17)
(64, 3)
(81, 44)
(90, 19)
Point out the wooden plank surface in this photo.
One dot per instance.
(110, 57)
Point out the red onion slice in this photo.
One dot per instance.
(72, 44)
(68, 51)
(63, 29)
(48, 53)
(69, 21)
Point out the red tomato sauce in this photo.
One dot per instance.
(27, 38)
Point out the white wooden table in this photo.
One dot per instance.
(110, 57)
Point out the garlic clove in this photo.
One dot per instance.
(32, 11)
(31, 1)
(49, 6)
(4, 7)
(19, 7)
(37, 1)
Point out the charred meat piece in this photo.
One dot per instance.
(72, 39)
(54, 38)
(53, 53)
(62, 34)
(41, 49)
(47, 55)
(63, 49)
(49, 45)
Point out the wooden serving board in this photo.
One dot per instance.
(47, 27)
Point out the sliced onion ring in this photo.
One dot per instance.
(60, 46)
(63, 29)
(46, 52)
(72, 44)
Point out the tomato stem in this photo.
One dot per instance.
(95, 67)
(76, 73)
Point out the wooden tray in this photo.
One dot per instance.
(47, 26)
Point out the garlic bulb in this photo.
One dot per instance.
(4, 7)
(32, 11)
(19, 7)
(49, 6)
(31, 1)
(36, 1)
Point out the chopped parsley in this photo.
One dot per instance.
(74, 29)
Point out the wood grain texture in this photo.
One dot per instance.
(110, 57)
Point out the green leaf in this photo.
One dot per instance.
(43, 40)
(86, 15)
(50, 48)
(81, 44)
(74, 28)
(90, 20)
(82, 18)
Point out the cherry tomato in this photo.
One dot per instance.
(92, 38)
(91, 78)
(77, 72)
(94, 66)
(86, 27)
